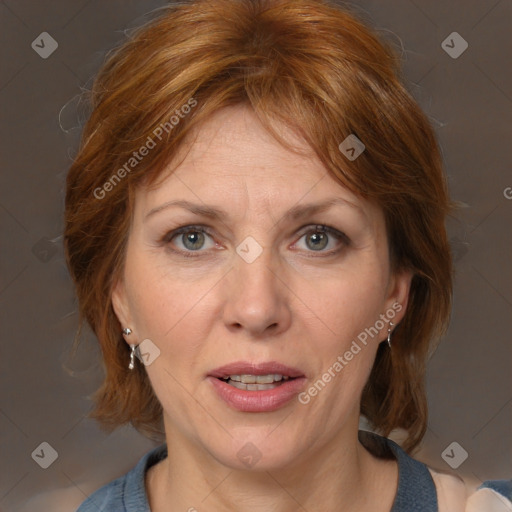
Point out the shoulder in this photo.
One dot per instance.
(455, 496)
(451, 491)
(491, 496)
(434, 490)
(127, 493)
(416, 489)
(109, 497)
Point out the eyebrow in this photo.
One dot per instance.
(297, 212)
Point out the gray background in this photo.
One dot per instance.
(44, 388)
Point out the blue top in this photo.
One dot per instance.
(416, 489)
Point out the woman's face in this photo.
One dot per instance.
(253, 256)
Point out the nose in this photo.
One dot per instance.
(256, 297)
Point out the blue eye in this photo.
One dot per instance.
(322, 237)
(190, 239)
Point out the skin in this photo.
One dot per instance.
(295, 304)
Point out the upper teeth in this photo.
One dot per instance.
(258, 379)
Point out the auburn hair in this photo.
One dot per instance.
(308, 65)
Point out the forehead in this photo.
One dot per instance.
(232, 160)
(233, 143)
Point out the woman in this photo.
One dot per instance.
(257, 209)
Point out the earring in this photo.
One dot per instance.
(127, 331)
(131, 366)
(389, 333)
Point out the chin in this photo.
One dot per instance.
(256, 453)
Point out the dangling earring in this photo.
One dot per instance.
(389, 333)
(131, 366)
(127, 331)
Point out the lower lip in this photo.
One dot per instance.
(258, 401)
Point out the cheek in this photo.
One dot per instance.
(347, 304)
(344, 346)
(173, 310)
(341, 316)
(159, 296)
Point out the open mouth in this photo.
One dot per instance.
(252, 387)
(256, 382)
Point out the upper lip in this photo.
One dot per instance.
(263, 368)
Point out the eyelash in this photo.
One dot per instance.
(317, 228)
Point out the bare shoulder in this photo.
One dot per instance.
(491, 496)
(452, 492)
(455, 495)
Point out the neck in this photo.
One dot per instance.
(340, 475)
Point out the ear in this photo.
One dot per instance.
(121, 307)
(398, 293)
